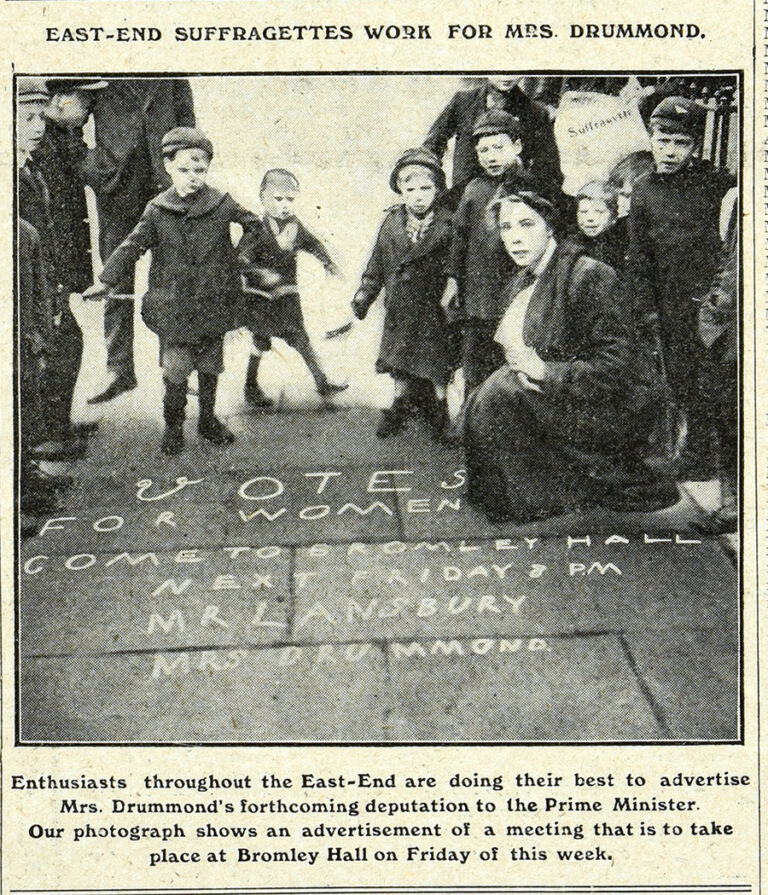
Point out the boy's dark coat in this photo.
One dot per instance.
(540, 155)
(416, 339)
(674, 244)
(193, 281)
(478, 261)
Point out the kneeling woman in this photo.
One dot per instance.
(565, 423)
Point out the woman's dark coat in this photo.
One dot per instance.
(194, 285)
(581, 440)
(416, 338)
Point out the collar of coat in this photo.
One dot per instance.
(205, 201)
(436, 236)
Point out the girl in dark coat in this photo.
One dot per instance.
(409, 261)
(565, 422)
(193, 280)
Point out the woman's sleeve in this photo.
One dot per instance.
(140, 240)
(605, 340)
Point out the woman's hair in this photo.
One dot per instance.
(631, 168)
(533, 200)
(600, 191)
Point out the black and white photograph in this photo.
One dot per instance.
(367, 408)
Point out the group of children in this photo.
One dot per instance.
(440, 265)
(201, 286)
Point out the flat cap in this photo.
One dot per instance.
(421, 156)
(680, 115)
(496, 121)
(69, 85)
(186, 138)
(32, 90)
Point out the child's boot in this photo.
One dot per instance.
(208, 425)
(325, 388)
(253, 393)
(393, 419)
(436, 415)
(174, 402)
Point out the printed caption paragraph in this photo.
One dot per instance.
(315, 819)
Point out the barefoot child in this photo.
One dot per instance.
(193, 280)
(268, 264)
(409, 263)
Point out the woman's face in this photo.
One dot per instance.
(524, 232)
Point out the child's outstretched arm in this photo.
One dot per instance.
(371, 283)
(121, 262)
(308, 242)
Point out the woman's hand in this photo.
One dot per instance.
(525, 360)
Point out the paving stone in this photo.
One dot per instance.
(579, 688)
(264, 695)
(693, 678)
(193, 525)
(113, 605)
(437, 588)
(344, 511)
(456, 519)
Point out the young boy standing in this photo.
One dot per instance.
(601, 232)
(673, 255)
(268, 266)
(193, 281)
(478, 263)
(409, 262)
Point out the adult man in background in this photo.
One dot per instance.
(540, 157)
(126, 170)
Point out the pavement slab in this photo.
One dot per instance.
(262, 695)
(144, 601)
(511, 586)
(690, 677)
(511, 690)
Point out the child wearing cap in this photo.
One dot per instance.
(268, 266)
(409, 262)
(478, 266)
(193, 280)
(674, 246)
(602, 234)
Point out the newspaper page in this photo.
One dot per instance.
(381, 446)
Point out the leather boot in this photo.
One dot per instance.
(253, 393)
(393, 420)
(174, 403)
(208, 425)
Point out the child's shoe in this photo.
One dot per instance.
(393, 420)
(173, 440)
(253, 393)
(174, 403)
(213, 430)
(328, 389)
(208, 425)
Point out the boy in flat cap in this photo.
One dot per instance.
(478, 266)
(409, 262)
(540, 157)
(673, 255)
(126, 169)
(272, 306)
(193, 280)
